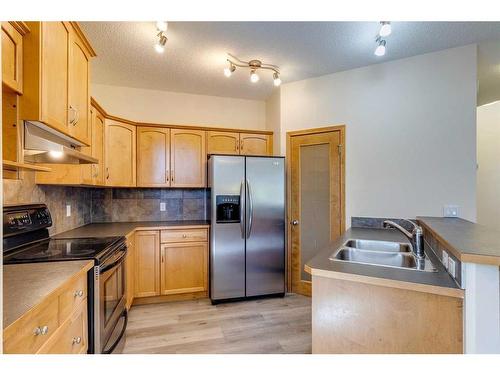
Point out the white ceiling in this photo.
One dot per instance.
(196, 51)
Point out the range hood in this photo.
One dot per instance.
(42, 144)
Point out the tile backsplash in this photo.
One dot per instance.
(56, 197)
(143, 204)
(95, 205)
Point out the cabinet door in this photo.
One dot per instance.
(12, 58)
(54, 71)
(120, 153)
(223, 143)
(153, 157)
(188, 158)
(130, 270)
(147, 263)
(97, 147)
(79, 95)
(256, 144)
(184, 268)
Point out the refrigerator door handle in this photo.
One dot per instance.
(250, 209)
(242, 210)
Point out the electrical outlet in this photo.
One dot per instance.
(68, 210)
(444, 259)
(163, 206)
(451, 267)
(450, 210)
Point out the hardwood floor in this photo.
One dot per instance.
(272, 325)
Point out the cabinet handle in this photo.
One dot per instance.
(107, 173)
(77, 340)
(73, 110)
(77, 117)
(162, 258)
(167, 175)
(241, 145)
(41, 331)
(172, 177)
(78, 293)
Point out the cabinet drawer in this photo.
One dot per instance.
(71, 337)
(71, 297)
(183, 235)
(33, 329)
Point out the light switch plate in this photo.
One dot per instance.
(163, 206)
(444, 259)
(451, 267)
(450, 210)
(68, 210)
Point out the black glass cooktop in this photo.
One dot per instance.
(52, 250)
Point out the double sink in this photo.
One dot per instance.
(383, 254)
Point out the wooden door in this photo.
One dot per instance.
(184, 268)
(130, 271)
(147, 263)
(153, 157)
(54, 74)
(79, 94)
(12, 57)
(120, 154)
(188, 158)
(256, 144)
(223, 143)
(316, 197)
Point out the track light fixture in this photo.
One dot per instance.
(161, 27)
(380, 50)
(254, 66)
(385, 28)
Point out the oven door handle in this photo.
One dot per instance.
(114, 264)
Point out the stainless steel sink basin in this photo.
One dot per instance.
(382, 254)
(389, 246)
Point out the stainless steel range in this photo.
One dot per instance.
(26, 240)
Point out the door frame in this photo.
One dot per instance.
(327, 129)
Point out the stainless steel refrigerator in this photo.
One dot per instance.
(247, 232)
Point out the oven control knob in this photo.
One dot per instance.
(79, 293)
(77, 340)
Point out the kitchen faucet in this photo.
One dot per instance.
(416, 236)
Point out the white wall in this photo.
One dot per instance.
(179, 108)
(410, 131)
(488, 158)
(273, 118)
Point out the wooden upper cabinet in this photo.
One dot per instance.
(97, 127)
(147, 263)
(79, 91)
(153, 157)
(256, 144)
(120, 154)
(223, 143)
(12, 55)
(56, 78)
(188, 158)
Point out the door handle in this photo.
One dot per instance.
(250, 210)
(242, 211)
(295, 222)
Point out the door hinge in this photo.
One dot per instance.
(339, 147)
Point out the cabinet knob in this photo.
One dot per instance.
(77, 340)
(78, 293)
(184, 236)
(295, 222)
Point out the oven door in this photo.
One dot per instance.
(112, 300)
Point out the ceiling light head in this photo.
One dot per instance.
(254, 77)
(229, 70)
(160, 45)
(162, 26)
(380, 50)
(276, 79)
(385, 29)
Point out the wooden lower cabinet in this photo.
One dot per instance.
(184, 268)
(147, 263)
(57, 325)
(170, 266)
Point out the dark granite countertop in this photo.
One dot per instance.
(124, 228)
(26, 285)
(469, 242)
(439, 282)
